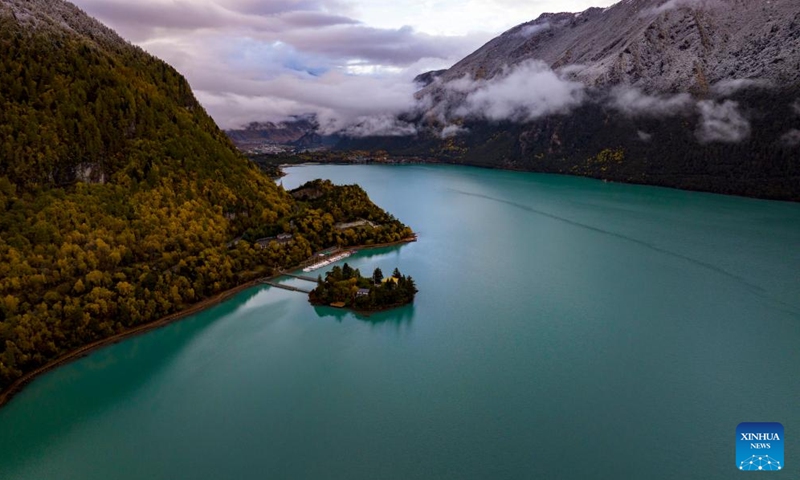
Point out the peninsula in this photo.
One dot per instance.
(122, 203)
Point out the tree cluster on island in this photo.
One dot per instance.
(345, 287)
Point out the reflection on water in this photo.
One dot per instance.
(104, 380)
(399, 316)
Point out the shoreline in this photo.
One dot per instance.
(637, 182)
(365, 313)
(18, 385)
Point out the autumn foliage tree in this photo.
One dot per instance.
(120, 199)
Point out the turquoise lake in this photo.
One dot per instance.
(565, 328)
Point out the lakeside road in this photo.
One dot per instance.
(8, 394)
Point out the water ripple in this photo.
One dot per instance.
(757, 289)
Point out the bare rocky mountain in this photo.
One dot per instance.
(654, 45)
(693, 94)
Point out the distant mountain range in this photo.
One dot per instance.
(694, 94)
(281, 133)
(297, 133)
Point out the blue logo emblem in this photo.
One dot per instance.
(759, 447)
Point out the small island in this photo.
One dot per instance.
(344, 287)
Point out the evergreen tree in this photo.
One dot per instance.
(347, 271)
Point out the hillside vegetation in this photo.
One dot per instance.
(120, 197)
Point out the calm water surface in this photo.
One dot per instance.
(565, 329)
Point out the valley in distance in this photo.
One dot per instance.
(694, 95)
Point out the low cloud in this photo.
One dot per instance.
(531, 30)
(644, 136)
(526, 92)
(374, 126)
(721, 122)
(453, 130)
(729, 87)
(791, 138)
(635, 103)
(676, 4)
(352, 103)
(796, 107)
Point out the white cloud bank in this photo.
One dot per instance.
(729, 87)
(532, 90)
(453, 130)
(721, 122)
(676, 4)
(526, 92)
(633, 102)
(531, 30)
(375, 126)
(358, 105)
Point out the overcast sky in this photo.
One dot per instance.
(256, 60)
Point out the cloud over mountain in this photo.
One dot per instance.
(527, 92)
(633, 102)
(722, 122)
(251, 60)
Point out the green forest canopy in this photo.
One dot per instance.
(119, 197)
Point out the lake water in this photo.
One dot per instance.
(565, 329)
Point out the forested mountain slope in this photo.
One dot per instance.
(119, 196)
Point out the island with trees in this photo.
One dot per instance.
(344, 287)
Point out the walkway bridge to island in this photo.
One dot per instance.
(301, 277)
(289, 287)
